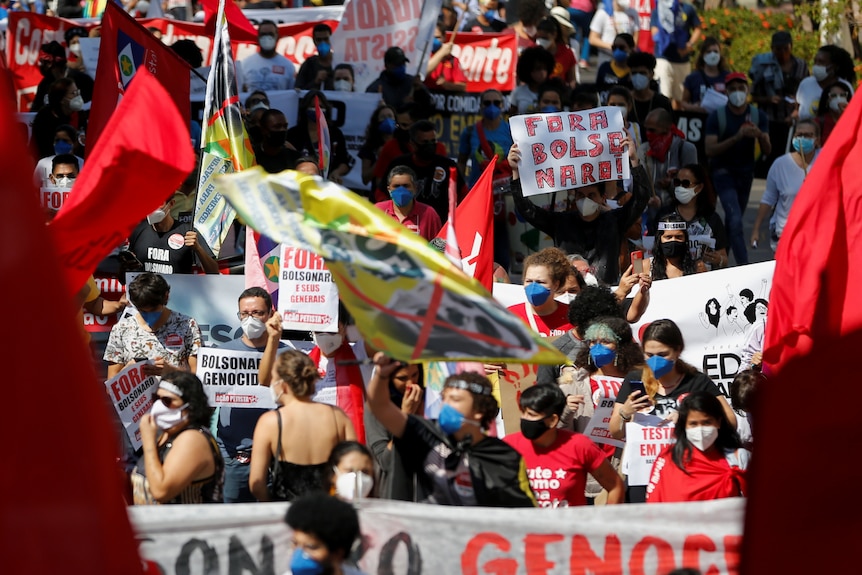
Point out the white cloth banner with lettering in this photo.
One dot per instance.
(565, 150)
(230, 378)
(131, 394)
(412, 538)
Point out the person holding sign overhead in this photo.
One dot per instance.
(593, 230)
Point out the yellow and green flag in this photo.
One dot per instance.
(407, 298)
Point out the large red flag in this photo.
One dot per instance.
(475, 229)
(818, 270)
(140, 159)
(126, 48)
(61, 506)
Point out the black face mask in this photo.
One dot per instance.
(426, 151)
(276, 139)
(674, 249)
(533, 430)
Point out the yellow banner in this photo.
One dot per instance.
(405, 296)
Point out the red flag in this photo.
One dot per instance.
(818, 267)
(126, 48)
(140, 160)
(61, 503)
(240, 29)
(475, 230)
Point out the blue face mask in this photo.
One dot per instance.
(302, 564)
(401, 196)
(491, 15)
(537, 294)
(436, 44)
(323, 49)
(450, 419)
(659, 365)
(400, 72)
(492, 112)
(311, 115)
(62, 147)
(620, 56)
(602, 355)
(150, 317)
(803, 145)
(549, 110)
(386, 126)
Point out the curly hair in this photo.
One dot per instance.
(199, 410)
(709, 404)
(659, 260)
(629, 353)
(531, 58)
(484, 403)
(593, 302)
(843, 62)
(555, 260)
(298, 371)
(333, 521)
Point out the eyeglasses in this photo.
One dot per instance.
(497, 103)
(684, 183)
(241, 315)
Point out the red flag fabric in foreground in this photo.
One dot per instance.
(127, 48)
(818, 271)
(61, 505)
(475, 230)
(139, 161)
(241, 30)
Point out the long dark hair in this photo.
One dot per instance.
(706, 403)
(666, 332)
(373, 137)
(659, 261)
(713, 318)
(199, 409)
(705, 200)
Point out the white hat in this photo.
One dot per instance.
(562, 16)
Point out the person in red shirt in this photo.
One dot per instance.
(707, 461)
(549, 35)
(403, 207)
(444, 72)
(558, 460)
(545, 275)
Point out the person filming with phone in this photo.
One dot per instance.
(658, 388)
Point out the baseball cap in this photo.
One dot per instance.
(394, 55)
(562, 16)
(781, 38)
(736, 76)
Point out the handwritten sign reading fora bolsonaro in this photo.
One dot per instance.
(565, 150)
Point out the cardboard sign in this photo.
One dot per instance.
(598, 428)
(565, 150)
(308, 298)
(131, 394)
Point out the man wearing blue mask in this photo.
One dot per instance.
(316, 72)
(395, 85)
(403, 207)
(455, 462)
(267, 70)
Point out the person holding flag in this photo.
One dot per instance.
(312, 130)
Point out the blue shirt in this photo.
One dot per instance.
(500, 140)
(687, 20)
(697, 82)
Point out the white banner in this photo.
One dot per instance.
(565, 150)
(230, 378)
(308, 298)
(646, 437)
(598, 428)
(131, 394)
(412, 538)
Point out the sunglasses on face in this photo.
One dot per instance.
(834, 95)
(684, 183)
(497, 103)
(167, 401)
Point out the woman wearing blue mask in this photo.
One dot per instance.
(545, 274)
(325, 530)
(616, 71)
(665, 382)
(605, 27)
(381, 129)
(455, 462)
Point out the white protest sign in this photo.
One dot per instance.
(230, 378)
(565, 150)
(606, 387)
(90, 54)
(131, 395)
(598, 428)
(53, 197)
(646, 437)
(308, 298)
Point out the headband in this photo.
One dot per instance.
(600, 331)
(471, 387)
(168, 386)
(664, 226)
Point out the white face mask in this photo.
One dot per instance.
(819, 72)
(76, 104)
(712, 58)
(273, 393)
(64, 182)
(702, 437)
(566, 298)
(624, 4)
(156, 216)
(328, 342)
(544, 43)
(267, 43)
(341, 85)
(835, 103)
(684, 195)
(347, 485)
(530, 31)
(737, 98)
(640, 81)
(75, 49)
(252, 327)
(587, 207)
(166, 417)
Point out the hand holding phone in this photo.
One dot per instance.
(638, 386)
(637, 262)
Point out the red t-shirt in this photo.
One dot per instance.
(558, 473)
(390, 151)
(423, 219)
(449, 69)
(564, 61)
(709, 477)
(551, 325)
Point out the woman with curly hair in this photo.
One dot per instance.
(178, 467)
(545, 274)
(671, 254)
(299, 434)
(535, 65)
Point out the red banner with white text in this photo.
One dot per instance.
(488, 60)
